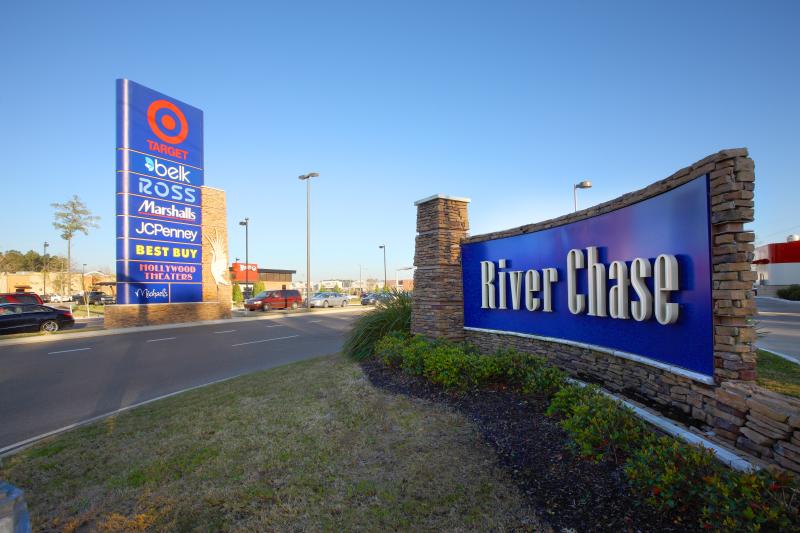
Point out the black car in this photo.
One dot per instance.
(16, 318)
(376, 298)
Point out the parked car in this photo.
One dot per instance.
(53, 298)
(95, 298)
(20, 298)
(328, 299)
(16, 318)
(369, 299)
(376, 297)
(266, 300)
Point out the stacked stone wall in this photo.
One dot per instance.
(732, 408)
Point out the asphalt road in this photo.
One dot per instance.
(49, 385)
(779, 321)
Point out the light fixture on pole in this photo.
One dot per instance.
(383, 247)
(307, 179)
(397, 277)
(582, 185)
(246, 224)
(44, 268)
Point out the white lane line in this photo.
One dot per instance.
(265, 340)
(226, 331)
(164, 339)
(314, 321)
(65, 351)
(274, 326)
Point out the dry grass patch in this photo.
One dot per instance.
(306, 446)
(778, 374)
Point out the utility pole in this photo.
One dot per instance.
(383, 247)
(44, 268)
(246, 224)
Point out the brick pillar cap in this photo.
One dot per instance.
(442, 197)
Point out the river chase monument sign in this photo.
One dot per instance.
(631, 281)
(171, 230)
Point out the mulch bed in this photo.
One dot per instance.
(567, 491)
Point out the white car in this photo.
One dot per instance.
(328, 299)
(55, 298)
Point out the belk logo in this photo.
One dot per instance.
(178, 173)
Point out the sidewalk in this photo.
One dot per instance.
(252, 315)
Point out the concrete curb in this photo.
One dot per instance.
(791, 359)
(122, 331)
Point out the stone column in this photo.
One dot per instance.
(215, 250)
(437, 307)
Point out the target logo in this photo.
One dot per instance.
(164, 118)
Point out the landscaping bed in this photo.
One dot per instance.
(566, 490)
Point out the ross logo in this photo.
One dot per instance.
(156, 120)
(174, 192)
(178, 173)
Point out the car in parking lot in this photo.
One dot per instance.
(94, 298)
(328, 299)
(374, 298)
(16, 318)
(20, 298)
(280, 299)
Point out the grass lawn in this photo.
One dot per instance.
(778, 374)
(306, 446)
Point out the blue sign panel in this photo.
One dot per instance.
(636, 280)
(159, 180)
(130, 183)
(159, 230)
(151, 272)
(143, 206)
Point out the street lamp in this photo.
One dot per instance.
(397, 277)
(582, 185)
(246, 224)
(307, 179)
(383, 247)
(44, 274)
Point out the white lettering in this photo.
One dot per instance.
(576, 302)
(487, 285)
(618, 295)
(666, 281)
(643, 309)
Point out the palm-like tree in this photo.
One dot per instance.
(73, 217)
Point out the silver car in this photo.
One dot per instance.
(328, 299)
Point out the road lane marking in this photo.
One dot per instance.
(164, 339)
(265, 340)
(226, 331)
(65, 351)
(274, 326)
(314, 321)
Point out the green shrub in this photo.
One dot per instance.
(392, 316)
(236, 294)
(683, 479)
(461, 367)
(598, 426)
(792, 292)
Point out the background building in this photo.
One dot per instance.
(777, 265)
(273, 278)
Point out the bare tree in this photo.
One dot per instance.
(73, 217)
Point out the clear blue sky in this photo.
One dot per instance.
(508, 103)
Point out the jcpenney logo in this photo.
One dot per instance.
(151, 293)
(155, 229)
(162, 170)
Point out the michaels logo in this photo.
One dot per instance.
(178, 173)
(150, 207)
(151, 293)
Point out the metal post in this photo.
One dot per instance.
(383, 246)
(575, 198)
(44, 274)
(308, 243)
(83, 287)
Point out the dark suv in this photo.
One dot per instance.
(281, 299)
(95, 298)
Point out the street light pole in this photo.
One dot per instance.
(582, 185)
(83, 286)
(44, 274)
(383, 247)
(307, 179)
(246, 224)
